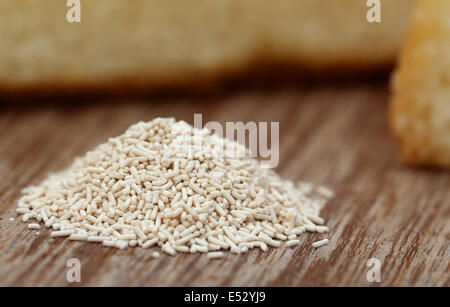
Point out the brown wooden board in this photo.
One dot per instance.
(331, 134)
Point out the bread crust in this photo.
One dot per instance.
(420, 108)
(258, 74)
(156, 44)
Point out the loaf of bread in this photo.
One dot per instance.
(420, 111)
(157, 43)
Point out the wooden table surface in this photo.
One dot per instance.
(331, 134)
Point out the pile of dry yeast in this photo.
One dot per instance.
(165, 183)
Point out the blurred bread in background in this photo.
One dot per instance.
(420, 111)
(158, 43)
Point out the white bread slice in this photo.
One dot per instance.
(420, 111)
(154, 43)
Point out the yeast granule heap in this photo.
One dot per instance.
(166, 183)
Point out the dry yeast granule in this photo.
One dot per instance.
(165, 183)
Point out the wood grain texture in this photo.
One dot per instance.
(332, 134)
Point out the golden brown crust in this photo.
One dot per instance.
(419, 114)
(255, 74)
